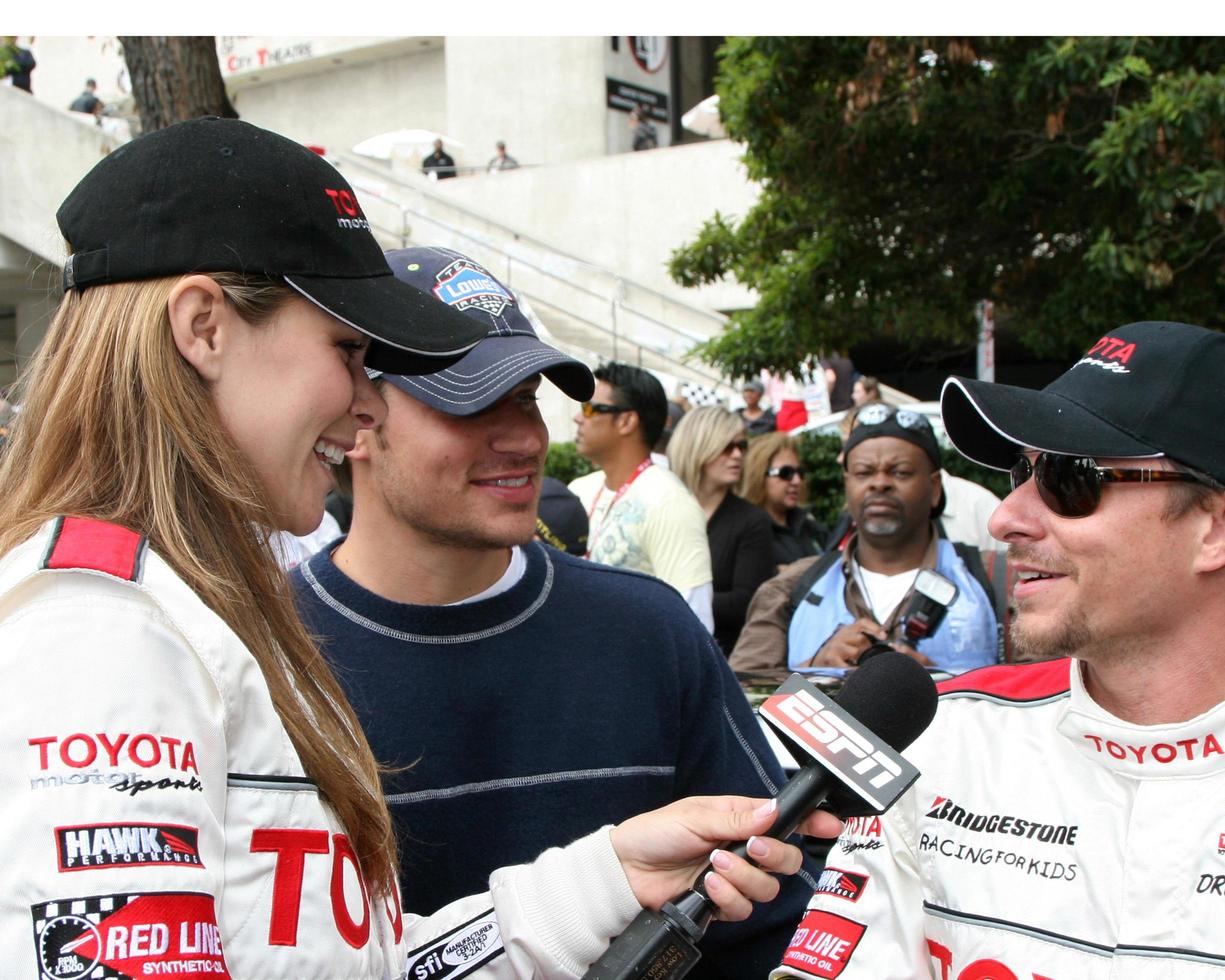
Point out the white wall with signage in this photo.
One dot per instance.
(638, 72)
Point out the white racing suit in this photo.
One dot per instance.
(155, 819)
(1044, 840)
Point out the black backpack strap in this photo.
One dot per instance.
(810, 577)
(842, 527)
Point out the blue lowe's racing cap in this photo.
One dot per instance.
(510, 352)
(1145, 390)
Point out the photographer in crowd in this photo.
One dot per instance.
(823, 613)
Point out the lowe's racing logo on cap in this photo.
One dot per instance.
(465, 284)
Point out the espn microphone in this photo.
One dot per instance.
(894, 696)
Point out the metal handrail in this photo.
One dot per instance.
(619, 283)
(717, 319)
(714, 380)
(344, 158)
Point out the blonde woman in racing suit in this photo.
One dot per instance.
(184, 790)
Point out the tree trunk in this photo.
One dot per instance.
(175, 78)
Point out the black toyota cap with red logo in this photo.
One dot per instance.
(1144, 390)
(214, 195)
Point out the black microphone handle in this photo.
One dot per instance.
(894, 693)
(663, 944)
(801, 794)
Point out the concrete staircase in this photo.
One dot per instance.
(592, 312)
(45, 153)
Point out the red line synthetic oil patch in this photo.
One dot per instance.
(123, 937)
(130, 845)
(823, 944)
(459, 952)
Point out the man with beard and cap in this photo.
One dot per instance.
(1067, 822)
(520, 696)
(822, 614)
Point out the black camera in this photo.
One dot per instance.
(930, 598)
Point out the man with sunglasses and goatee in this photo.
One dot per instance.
(639, 514)
(1069, 821)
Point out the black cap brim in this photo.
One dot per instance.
(497, 365)
(413, 333)
(992, 423)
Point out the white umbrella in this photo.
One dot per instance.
(380, 147)
(704, 118)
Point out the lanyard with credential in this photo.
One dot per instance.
(621, 491)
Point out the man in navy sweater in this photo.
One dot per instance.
(522, 697)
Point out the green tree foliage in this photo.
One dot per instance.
(1077, 182)
(823, 483)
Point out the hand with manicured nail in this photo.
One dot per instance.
(662, 851)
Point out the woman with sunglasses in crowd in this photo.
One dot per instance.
(774, 480)
(184, 788)
(707, 452)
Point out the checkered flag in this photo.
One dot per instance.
(699, 394)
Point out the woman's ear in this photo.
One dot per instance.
(201, 322)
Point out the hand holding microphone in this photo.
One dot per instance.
(891, 693)
(648, 846)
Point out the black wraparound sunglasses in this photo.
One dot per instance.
(1071, 486)
(786, 473)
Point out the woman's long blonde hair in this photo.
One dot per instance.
(115, 425)
(699, 437)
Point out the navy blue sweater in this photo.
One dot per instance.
(582, 696)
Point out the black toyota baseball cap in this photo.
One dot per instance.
(1144, 390)
(214, 195)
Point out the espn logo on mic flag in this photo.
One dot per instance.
(864, 762)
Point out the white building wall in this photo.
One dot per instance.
(65, 62)
(343, 105)
(625, 212)
(45, 152)
(543, 95)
